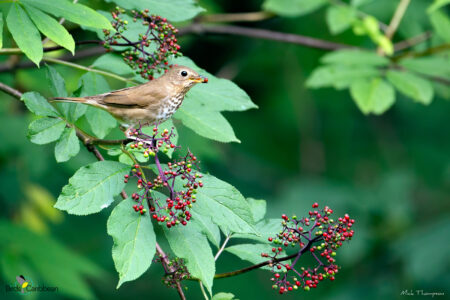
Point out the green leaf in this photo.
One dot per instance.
(1, 30)
(441, 24)
(293, 8)
(207, 226)
(218, 94)
(252, 253)
(70, 111)
(412, 86)
(223, 296)
(68, 145)
(432, 66)
(92, 188)
(355, 58)
(113, 63)
(340, 18)
(258, 208)
(45, 130)
(173, 10)
(437, 4)
(339, 76)
(373, 95)
(193, 247)
(100, 121)
(134, 241)
(38, 105)
(75, 13)
(265, 228)
(57, 83)
(230, 209)
(25, 33)
(51, 28)
(207, 123)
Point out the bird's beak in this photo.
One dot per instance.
(200, 79)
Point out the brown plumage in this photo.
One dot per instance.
(148, 103)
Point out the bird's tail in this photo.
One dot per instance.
(69, 99)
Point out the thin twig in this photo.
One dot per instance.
(236, 17)
(80, 67)
(223, 247)
(262, 34)
(411, 42)
(203, 290)
(395, 21)
(67, 57)
(11, 91)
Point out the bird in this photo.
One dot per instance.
(147, 104)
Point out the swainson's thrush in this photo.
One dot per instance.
(146, 104)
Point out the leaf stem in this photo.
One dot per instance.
(81, 67)
(395, 21)
(203, 291)
(223, 247)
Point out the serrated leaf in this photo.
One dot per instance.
(76, 13)
(1, 30)
(437, 4)
(45, 130)
(70, 111)
(412, 86)
(209, 124)
(51, 28)
(372, 95)
(24, 33)
(339, 76)
(231, 211)
(340, 18)
(68, 145)
(441, 24)
(57, 83)
(207, 226)
(223, 296)
(252, 253)
(293, 8)
(134, 241)
(218, 94)
(92, 188)
(258, 208)
(432, 66)
(173, 10)
(38, 105)
(355, 58)
(193, 247)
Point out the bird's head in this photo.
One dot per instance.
(184, 77)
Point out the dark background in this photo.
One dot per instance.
(391, 173)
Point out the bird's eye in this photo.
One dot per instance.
(184, 73)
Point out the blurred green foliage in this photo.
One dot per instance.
(391, 173)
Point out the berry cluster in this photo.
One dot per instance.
(178, 179)
(159, 34)
(320, 236)
(179, 273)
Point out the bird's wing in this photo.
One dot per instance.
(140, 96)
